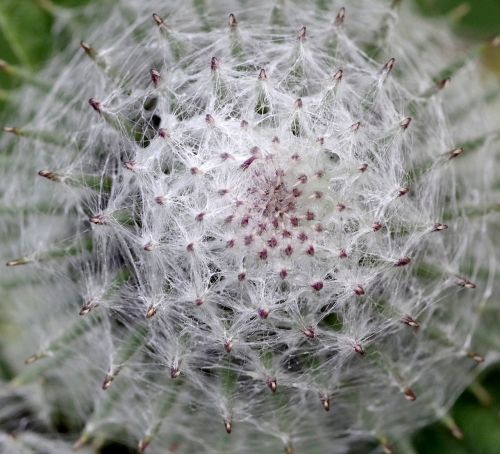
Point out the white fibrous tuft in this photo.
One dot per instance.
(248, 227)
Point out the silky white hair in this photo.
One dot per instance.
(258, 219)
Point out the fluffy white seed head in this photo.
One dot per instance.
(265, 221)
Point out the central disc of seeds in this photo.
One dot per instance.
(276, 200)
(278, 213)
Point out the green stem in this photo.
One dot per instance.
(452, 426)
(54, 357)
(101, 63)
(40, 208)
(263, 106)
(126, 351)
(467, 149)
(94, 182)
(24, 75)
(472, 211)
(452, 69)
(9, 32)
(165, 404)
(481, 393)
(47, 137)
(112, 289)
(176, 46)
(55, 253)
(200, 7)
(111, 399)
(277, 14)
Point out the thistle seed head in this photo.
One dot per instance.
(241, 212)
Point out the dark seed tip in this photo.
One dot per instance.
(232, 22)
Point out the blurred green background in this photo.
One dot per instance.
(26, 36)
(26, 40)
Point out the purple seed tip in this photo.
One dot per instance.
(409, 394)
(158, 19)
(402, 261)
(232, 22)
(155, 77)
(96, 105)
(302, 34)
(339, 19)
(405, 122)
(214, 64)
(389, 65)
(309, 332)
(317, 285)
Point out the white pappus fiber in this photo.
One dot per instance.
(256, 227)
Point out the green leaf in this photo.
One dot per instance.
(478, 423)
(25, 28)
